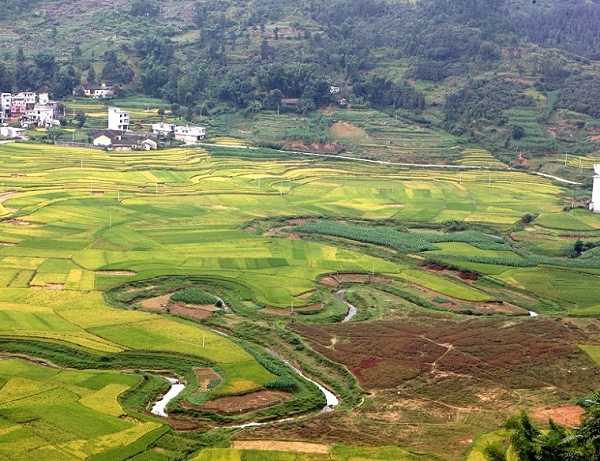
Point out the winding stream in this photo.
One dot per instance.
(331, 400)
(176, 388)
(353, 310)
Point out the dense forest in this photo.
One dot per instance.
(448, 62)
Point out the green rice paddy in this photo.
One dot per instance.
(77, 222)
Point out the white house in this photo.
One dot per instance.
(163, 129)
(97, 91)
(5, 100)
(42, 114)
(43, 98)
(10, 132)
(189, 134)
(118, 119)
(149, 144)
(595, 203)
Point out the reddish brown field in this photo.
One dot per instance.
(437, 381)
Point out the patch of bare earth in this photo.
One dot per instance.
(248, 402)
(158, 303)
(347, 130)
(308, 294)
(6, 196)
(205, 376)
(567, 415)
(328, 281)
(18, 222)
(50, 286)
(320, 148)
(162, 303)
(192, 310)
(7, 244)
(296, 222)
(281, 445)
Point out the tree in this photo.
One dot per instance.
(254, 106)
(91, 75)
(67, 80)
(54, 133)
(558, 443)
(161, 113)
(517, 132)
(80, 118)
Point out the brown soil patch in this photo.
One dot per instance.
(308, 294)
(156, 303)
(98, 193)
(205, 376)
(294, 236)
(6, 196)
(161, 303)
(274, 232)
(296, 222)
(115, 272)
(347, 130)
(50, 286)
(567, 415)
(7, 244)
(320, 148)
(196, 312)
(353, 278)
(250, 229)
(183, 425)
(328, 281)
(17, 222)
(380, 279)
(280, 445)
(245, 403)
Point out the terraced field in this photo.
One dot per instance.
(84, 231)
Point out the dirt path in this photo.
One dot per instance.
(6, 195)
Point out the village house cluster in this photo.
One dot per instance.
(28, 109)
(119, 137)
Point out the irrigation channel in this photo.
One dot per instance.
(353, 310)
(176, 388)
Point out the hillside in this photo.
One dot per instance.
(516, 77)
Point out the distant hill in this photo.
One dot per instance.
(516, 76)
